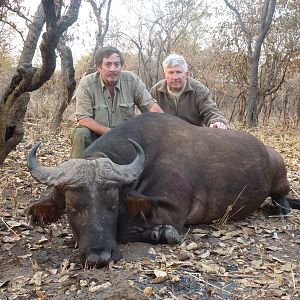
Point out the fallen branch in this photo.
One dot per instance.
(295, 192)
(9, 228)
(222, 221)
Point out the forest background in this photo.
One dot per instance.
(246, 52)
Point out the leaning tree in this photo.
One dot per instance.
(27, 78)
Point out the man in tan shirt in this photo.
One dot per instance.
(107, 98)
(182, 96)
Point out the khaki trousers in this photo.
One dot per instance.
(81, 138)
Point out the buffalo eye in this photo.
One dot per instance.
(71, 209)
(111, 199)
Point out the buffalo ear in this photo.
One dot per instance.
(48, 209)
(138, 203)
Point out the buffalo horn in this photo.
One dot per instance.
(54, 176)
(40, 173)
(128, 173)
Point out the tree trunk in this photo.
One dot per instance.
(13, 102)
(13, 108)
(13, 124)
(242, 109)
(68, 82)
(285, 112)
(254, 54)
(298, 111)
(252, 113)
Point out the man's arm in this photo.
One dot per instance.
(156, 108)
(94, 126)
(84, 104)
(212, 116)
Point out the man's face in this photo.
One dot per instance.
(176, 77)
(110, 69)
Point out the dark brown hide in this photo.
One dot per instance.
(191, 175)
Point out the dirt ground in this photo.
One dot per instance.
(256, 258)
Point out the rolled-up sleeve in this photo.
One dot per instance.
(84, 106)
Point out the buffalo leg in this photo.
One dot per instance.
(160, 234)
(282, 206)
(294, 203)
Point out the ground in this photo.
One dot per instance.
(256, 258)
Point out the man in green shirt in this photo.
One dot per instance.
(183, 96)
(106, 98)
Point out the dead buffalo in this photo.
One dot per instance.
(177, 174)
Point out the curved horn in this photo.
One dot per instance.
(128, 173)
(38, 172)
(69, 172)
(80, 170)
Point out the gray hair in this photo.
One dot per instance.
(175, 60)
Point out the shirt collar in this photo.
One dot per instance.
(176, 94)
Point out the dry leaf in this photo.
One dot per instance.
(148, 291)
(37, 278)
(204, 255)
(248, 283)
(184, 255)
(63, 278)
(160, 273)
(25, 255)
(10, 239)
(159, 279)
(192, 246)
(273, 248)
(83, 283)
(42, 240)
(13, 224)
(210, 267)
(248, 231)
(99, 287)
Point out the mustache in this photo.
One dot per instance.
(113, 73)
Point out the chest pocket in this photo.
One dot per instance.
(127, 110)
(101, 114)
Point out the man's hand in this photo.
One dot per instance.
(93, 125)
(218, 125)
(156, 108)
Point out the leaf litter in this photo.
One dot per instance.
(253, 258)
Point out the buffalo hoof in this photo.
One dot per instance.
(171, 235)
(164, 234)
(282, 206)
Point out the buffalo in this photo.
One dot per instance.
(150, 176)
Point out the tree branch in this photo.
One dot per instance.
(13, 25)
(243, 25)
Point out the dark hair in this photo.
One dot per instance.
(107, 52)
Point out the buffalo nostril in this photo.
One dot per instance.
(98, 260)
